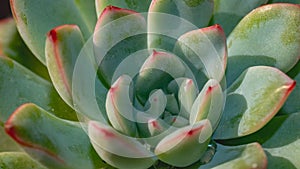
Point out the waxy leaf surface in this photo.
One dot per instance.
(56, 143)
(253, 100)
(35, 18)
(19, 85)
(63, 45)
(269, 35)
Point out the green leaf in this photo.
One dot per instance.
(280, 140)
(269, 35)
(229, 13)
(284, 145)
(119, 150)
(159, 66)
(35, 18)
(13, 46)
(63, 45)
(118, 33)
(238, 157)
(136, 5)
(208, 104)
(169, 19)
(17, 160)
(205, 49)
(19, 85)
(56, 143)
(187, 94)
(119, 109)
(186, 145)
(253, 100)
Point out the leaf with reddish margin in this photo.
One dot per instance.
(118, 33)
(19, 86)
(63, 45)
(253, 100)
(208, 104)
(54, 142)
(136, 5)
(119, 150)
(30, 18)
(205, 50)
(269, 35)
(119, 109)
(13, 46)
(15, 160)
(186, 145)
(229, 18)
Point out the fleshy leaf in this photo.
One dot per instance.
(118, 33)
(186, 95)
(119, 107)
(208, 104)
(229, 18)
(159, 66)
(19, 85)
(119, 150)
(12, 46)
(279, 138)
(250, 156)
(30, 18)
(136, 5)
(205, 49)
(54, 142)
(157, 126)
(186, 145)
(172, 104)
(184, 15)
(63, 45)
(15, 160)
(283, 145)
(253, 100)
(269, 36)
(157, 101)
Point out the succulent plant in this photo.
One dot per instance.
(150, 84)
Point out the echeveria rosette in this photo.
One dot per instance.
(176, 121)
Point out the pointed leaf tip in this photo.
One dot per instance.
(204, 49)
(253, 100)
(38, 131)
(30, 19)
(60, 57)
(119, 108)
(208, 104)
(118, 150)
(186, 145)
